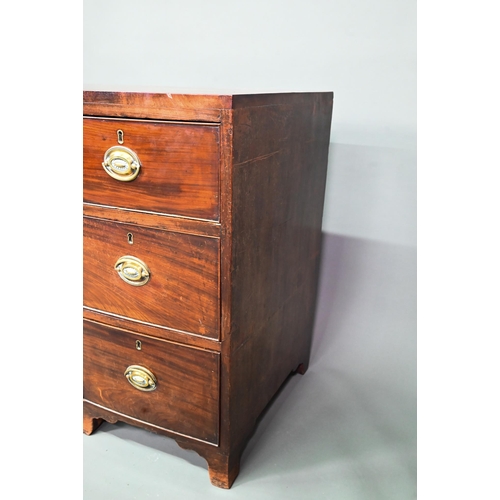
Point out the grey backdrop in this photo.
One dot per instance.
(347, 429)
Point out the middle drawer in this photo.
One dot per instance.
(158, 277)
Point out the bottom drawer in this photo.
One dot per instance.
(168, 385)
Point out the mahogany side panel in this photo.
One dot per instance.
(280, 157)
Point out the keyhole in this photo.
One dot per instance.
(138, 345)
(119, 133)
(130, 238)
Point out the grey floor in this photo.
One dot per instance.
(345, 430)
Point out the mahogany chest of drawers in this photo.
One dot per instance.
(202, 240)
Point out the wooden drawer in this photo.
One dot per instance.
(183, 288)
(179, 171)
(185, 397)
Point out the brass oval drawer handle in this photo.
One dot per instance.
(121, 163)
(132, 270)
(141, 378)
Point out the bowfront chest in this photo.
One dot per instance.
(202, 240)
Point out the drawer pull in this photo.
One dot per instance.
(132, 270)
(141, 378)
(121, 163)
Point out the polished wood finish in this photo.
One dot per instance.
(183, 291)
(140, 328)
(179, 173)
(280, 155)
(273, 155)
(188, 379)
(156, 105)
(155, 221)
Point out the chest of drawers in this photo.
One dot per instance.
(202, 240)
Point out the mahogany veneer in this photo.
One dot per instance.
(183, 293)
(185, 176)
(224, 218)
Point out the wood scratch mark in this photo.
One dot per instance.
(258, 158)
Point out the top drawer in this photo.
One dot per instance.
(179, 167)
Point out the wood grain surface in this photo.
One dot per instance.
(187, 394)
(280, 157)
(243, 276)
(183, 291)
(154, 221)
(141, 328)
(159, 104)
(179, 173)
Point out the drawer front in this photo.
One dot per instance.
(181, 276)
(183, 391)
(178, 173)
